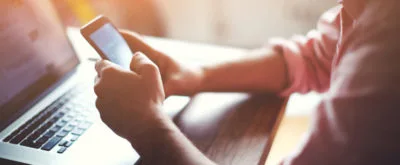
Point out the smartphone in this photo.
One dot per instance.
(107, 41)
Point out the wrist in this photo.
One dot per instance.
(201, 76)
(204, 74)
(155, 132)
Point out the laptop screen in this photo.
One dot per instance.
(34, 53)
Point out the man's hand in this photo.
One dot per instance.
(177, 79)
(263, 71)
(129, 101)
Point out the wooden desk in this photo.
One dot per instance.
(294, 124)
(230, 128)
(288, 137)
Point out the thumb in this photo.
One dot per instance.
(168, 89)
(143, 66)
(101, 65)
(137, 44)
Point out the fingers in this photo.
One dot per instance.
(107, 113)
(96, 79)
(103, 65)
(99, 66)
(137, 44)
(168, 91)
(106, 76)
(143, 66)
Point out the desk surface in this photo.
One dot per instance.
(230, 128)
(294, 124)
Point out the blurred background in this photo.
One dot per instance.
(239, 23)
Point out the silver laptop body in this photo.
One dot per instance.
(47, 112)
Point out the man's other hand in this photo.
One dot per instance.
(177, 78)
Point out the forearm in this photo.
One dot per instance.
(263, 71)
(164, 143)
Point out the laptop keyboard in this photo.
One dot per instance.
(61, 123)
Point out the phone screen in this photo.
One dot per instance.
(112, 45)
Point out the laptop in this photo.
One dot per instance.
(47, 110)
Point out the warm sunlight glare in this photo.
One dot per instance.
(82, 9)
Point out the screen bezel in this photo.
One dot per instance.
(29, 96)
(93, 26)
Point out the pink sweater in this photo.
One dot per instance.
(354, 58)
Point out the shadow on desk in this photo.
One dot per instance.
(231, 128)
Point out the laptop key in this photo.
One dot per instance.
(62, 150)
(28, 122)
(33, 126)
(62, 133)
(55, 128)
(74, 138)
(60, 114)
(62, 123)
(25, 132)
(52, 111)
(49, 134)
(72, 114)
(68, 118)
(29, 143)
(54, 120)
(9, 137)
(21, 136)
(34, 136)
(44, 127)
(49, 145)
(68, 144)
(69, 128)
(85, 125)
(41, 141)
(63, 143)
(78, 131)
(73, 123)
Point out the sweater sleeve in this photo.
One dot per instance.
(308, 58)
(356, 122)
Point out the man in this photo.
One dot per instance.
(353, 56)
